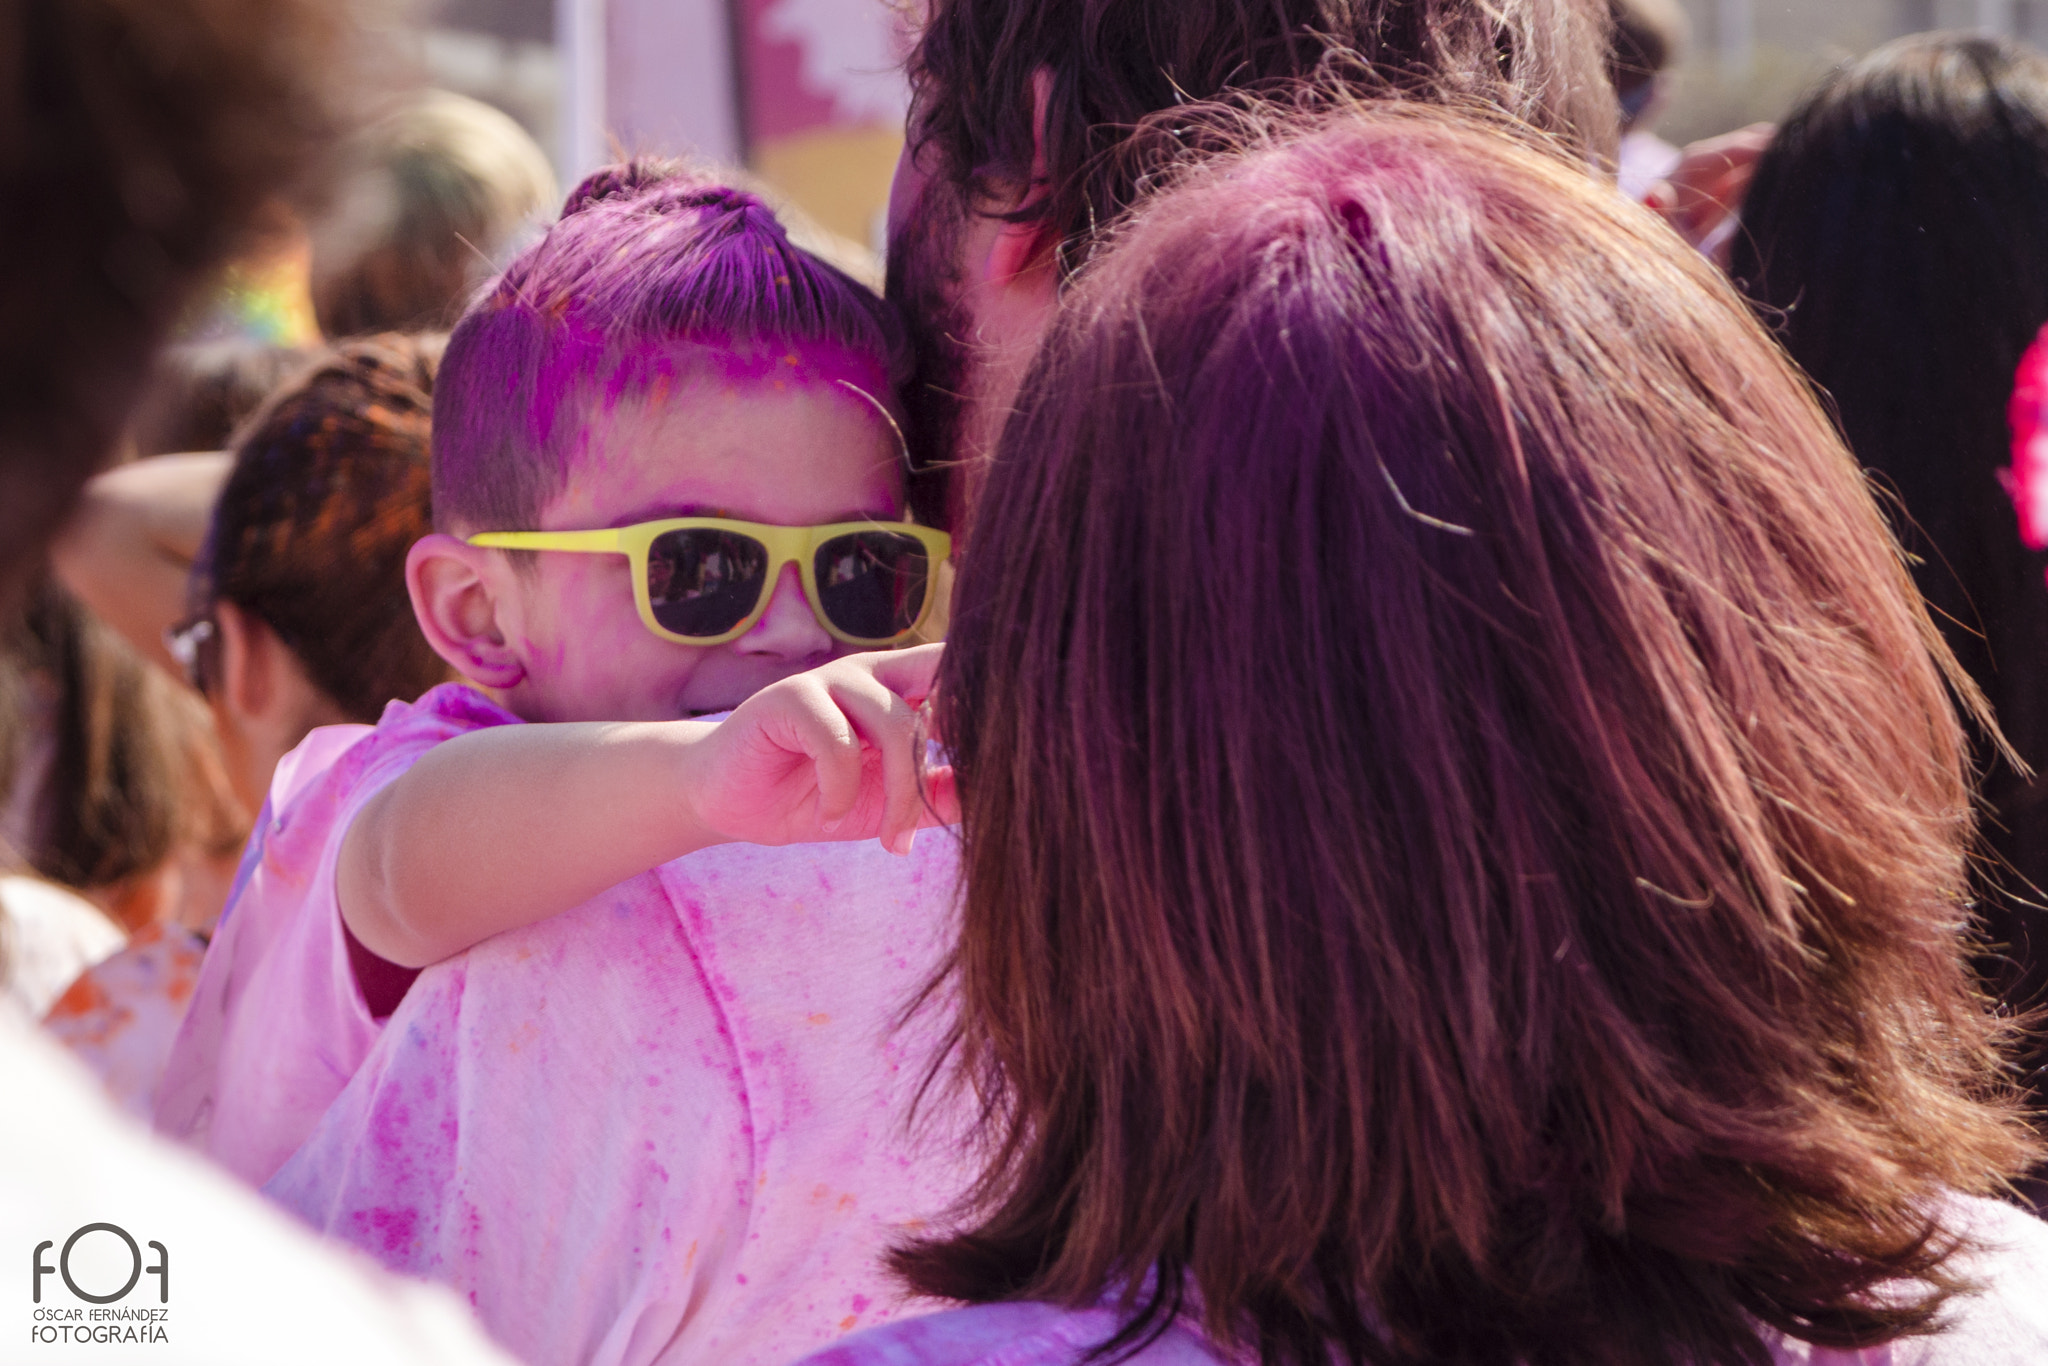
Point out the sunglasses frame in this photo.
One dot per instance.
(796, 545)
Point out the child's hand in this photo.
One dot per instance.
(829, 754)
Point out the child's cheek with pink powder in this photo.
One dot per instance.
(588, 655)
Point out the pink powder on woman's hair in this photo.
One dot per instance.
(2027, 480)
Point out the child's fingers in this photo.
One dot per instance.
(889, 725)
(907, 673)
(833, 745)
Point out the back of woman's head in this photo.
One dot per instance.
(1465, 827)
(328, 492)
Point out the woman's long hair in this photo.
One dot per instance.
(132, 776)
(1897, 236)
(1465, 823)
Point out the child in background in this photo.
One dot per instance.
(666, 476)
(1648, 38)
(298, 618)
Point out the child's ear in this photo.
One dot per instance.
(459, 600)
(1024, 252)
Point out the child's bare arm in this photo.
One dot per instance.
(507, 826)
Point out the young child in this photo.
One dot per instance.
(666, 475)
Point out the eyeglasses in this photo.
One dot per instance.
(195, 644)
(707, 580)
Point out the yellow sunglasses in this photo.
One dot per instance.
(707, 580)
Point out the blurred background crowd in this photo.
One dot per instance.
(131, 783)
(174, 652)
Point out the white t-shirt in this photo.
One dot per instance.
(47, 937)
(121, 1014)
(243, 1287)
(277, 1023)
(668, 1125)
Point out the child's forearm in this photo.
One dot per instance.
(504, 827)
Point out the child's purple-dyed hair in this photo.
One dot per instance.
(648, 258)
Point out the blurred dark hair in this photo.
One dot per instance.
(1465, 822)
(1896, 235)
(438, 192)
(1113, 62)
(1648, 36)
(134, 769)
(330, 487)
(199, 392)
(137, 139)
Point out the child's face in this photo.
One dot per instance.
(794, 451)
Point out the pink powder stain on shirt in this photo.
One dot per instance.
(391, 1132)
(526, 1034)
(397, 1227)
(770, 1136)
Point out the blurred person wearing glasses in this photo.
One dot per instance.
(298, 619)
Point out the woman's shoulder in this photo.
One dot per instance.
(2007, 1319)
(1018, 1334)
(2003, 1323)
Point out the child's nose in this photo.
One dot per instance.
(788, 629)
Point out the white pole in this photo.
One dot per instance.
(582, 124)
(1995, 17)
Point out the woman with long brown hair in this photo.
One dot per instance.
(1466, 833)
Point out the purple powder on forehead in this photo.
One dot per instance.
(652, 271)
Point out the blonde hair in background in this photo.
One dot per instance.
(440, 194)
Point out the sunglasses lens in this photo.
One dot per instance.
(873, 584)
(704, 582)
